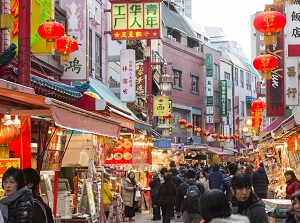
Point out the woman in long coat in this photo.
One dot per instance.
(129, 188)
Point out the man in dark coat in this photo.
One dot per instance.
(181, 202)
(260, 182)
(215, 178)
(154, 185)
(175, 180)
(226, 182)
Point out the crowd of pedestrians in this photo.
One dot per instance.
(228, 193)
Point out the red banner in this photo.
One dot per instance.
(121, 154)
(7, 163)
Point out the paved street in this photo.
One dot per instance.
(145, 217)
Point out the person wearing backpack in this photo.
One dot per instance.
(41, 211)
(188, 197)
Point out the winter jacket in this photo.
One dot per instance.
(255, 212)
(107, 195)
(18, 208)
(205, 183)
(180, 202)
(215, 180)
(154, 184)
(175, 180)
(39, 215)
(166, 194)
(226, 184)
(260, 182)
(291, 188)
(128, 192)
(234, 218)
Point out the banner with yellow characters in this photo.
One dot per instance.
(270, 157)
(41, 11)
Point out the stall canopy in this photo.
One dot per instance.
(25, 103)
(272, 126)
(217, 151)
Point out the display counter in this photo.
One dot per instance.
(276, 209)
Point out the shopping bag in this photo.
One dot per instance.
(1, 217)
(137, 195)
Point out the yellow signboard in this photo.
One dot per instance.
(41, 11)
(160, 105)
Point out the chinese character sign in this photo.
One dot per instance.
(291, 81)
(40, 11)
(293, 29)
(140, 80)
(76, 69)
(7, 163)
(160, 105)
(127, 73)
(223, 97)
(140, 20)
(209, 92)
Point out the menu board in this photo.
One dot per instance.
(121, 154)
(270, 158)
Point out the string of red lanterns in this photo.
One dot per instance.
(265, 63)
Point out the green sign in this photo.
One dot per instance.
(209, 100)
(209, 62)
(223, 97)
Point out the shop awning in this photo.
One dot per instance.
(217, 151)
(286, 125)
(272, 126)
(25, 103)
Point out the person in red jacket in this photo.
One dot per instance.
(292, 183)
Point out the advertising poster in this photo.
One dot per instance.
(121, 154)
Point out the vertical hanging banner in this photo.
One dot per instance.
(40, 12)
(209, 93)
(77, 68)
(291, 73)
(223, 96)
(140, 80)
(127, 73)
(135, 20)
(292, 29)
(275, 86)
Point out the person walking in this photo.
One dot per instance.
(215, 208)
(129, 188)
(292, 183)
(181, 202)
(245, 201)
(32, 180)
(260, 182)
(16, 204)
(203, 180)
(107, 196)
(226, 182)
(215, 178)
(165, 198)
(154, 185)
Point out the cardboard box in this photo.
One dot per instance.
(278, 203)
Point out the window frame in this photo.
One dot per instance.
(179, 72)
(196, 90)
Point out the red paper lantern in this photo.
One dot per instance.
(66, 45)
(225, 137)
(265, 63)
(206, 134)
(232, 137)
(214, 136)
(257, 107)
(169, 115)
(237, 136)
(8, 133)
(182, 122)
(221, 137)
(51, 30)
(189, 126)
(198, 131)
(269, 23)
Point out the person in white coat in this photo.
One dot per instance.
(214, 208)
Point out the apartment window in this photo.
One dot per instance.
(262, 47)
(229, 105)
(216, 71)
(261, 37)
(248, 81)
(194, 83)
(217, 98)
(98, 59)
(236, 77)
(91, 53)
(242, 78)
(227, 75)
(242, 109)
(177, 78)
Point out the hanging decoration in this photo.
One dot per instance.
(232, 137)
(214, 136)
(221, 137)
(51, 30)
(198, 131)
(269, 22)
(237, 136)
(257, 107)
(189, 126)
(182, 123)
(168, 117)
(206, 134)
(66, 45)
(265, 63)
(8, 133)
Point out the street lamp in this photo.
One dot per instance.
(165, 82)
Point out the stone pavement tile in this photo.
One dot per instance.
(145, 217)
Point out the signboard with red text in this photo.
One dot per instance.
(6, 163)
(135, 20)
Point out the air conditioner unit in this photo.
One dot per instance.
(170, 36)
(174, 39)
